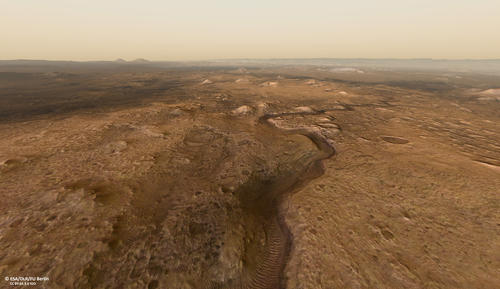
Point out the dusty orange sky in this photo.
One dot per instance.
(194, 30)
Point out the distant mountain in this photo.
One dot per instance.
(140, 60)
(120, 60)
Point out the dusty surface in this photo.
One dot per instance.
(172, 180)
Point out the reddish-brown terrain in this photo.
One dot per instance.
(275, 177)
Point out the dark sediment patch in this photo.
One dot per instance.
(395, 140)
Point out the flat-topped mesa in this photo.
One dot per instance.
(242, 110)
(306, 109)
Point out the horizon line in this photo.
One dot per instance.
(144, 60)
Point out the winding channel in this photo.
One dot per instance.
(269, 273)
(265, 207)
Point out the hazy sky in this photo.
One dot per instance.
(192, 30)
